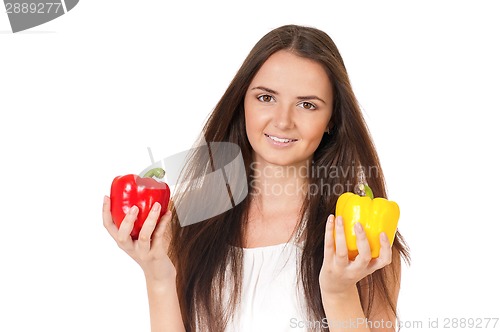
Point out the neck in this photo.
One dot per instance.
(277, 187)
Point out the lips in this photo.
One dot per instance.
(281, 139)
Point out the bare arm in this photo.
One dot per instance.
(338, 279)
(164, 309)
(344, 312)
(150, 252)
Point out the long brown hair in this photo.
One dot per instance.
(202, 252)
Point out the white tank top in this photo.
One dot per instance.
(272, 297)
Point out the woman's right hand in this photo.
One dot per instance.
(150, 249)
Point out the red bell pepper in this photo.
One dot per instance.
(143, 192)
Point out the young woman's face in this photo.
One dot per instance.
(288, 106)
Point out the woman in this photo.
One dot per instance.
(271, 263)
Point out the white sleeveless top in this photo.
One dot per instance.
(272, 297)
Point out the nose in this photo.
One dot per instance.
(283, 118)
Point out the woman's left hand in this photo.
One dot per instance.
(338, 274)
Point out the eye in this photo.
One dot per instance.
(265, 98)
(307, 105)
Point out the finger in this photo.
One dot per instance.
(364, 252)
(329, 242)
(341, 253)
(124, 238)
(159, 235)
(167, 234)
(385, 256)
(144, 241)
(385, 249)
(161, 227)
(108, 219)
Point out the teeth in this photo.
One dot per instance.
(281, 140)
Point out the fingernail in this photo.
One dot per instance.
(105, 199)
(330, 219)
(133, 210)
(156, 207)
(358, 228)
(340, 221)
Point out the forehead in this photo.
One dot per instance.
(288, 73)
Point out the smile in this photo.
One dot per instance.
(281, 140)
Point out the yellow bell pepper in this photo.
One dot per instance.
(375, 215)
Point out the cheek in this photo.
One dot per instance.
(255, 120)
(248, 118)
(251, 124)
(314, 132)
(254, 128)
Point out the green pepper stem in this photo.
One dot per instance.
(368, 191)
(158, 173)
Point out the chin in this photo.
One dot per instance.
(279, 159)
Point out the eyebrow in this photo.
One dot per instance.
(276, 93)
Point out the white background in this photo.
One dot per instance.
(83, 96)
